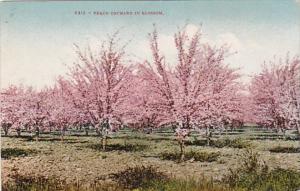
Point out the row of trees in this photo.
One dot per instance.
(106, 90)
(275, 95)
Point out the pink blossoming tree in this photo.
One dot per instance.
(199, 91)
(37, 106)
(12, 108)
(275, 94)
(100, 82)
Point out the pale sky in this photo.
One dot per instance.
(37, 38)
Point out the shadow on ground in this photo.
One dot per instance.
(119, 147)
(8, 153)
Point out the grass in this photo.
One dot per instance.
(191, 155)
(281, 149)
(8, 153)
(77, 161)
(119, 147)
(255, 175)
(31, 183)
(221, 143)
(148, 179)
(187, 185)
(252, 175)
(139, 177)
(233, 143)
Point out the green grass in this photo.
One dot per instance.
(281, 149)
(28, 183)
(139, 177)
(148, 178)
(221, 143)
(81, 158)
(41, 184)
(255, 175)
(8, 153)
(187, 185)
(233, 143)
(119, 147)
(191, 155)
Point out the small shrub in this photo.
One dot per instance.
(220, 143)
(282, 179)
(103, 156)
(251, 171)
(281, 149)
(254, 174)
(233, 143)
(203, 156)
(139, 176)
(197, 142)
(191, 155)
(120, 147)
(170, 156)
(8, 153)
(187, 185)
(30, 183)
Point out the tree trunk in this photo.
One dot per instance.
(5, 131)
(86, 131)
(221, 130)
(278, 133)
(104, 142)
(98, 132)
(37, 133)
(62, 134)
(181, 143)
(284, 133)
(298, 128)
(208, 134)
(18, 132)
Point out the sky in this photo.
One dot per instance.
(37, 38)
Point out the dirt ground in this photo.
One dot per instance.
(79, 159)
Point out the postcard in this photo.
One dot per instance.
(150, 95)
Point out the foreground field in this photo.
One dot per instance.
(79, 158)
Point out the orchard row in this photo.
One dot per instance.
(106, 90)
